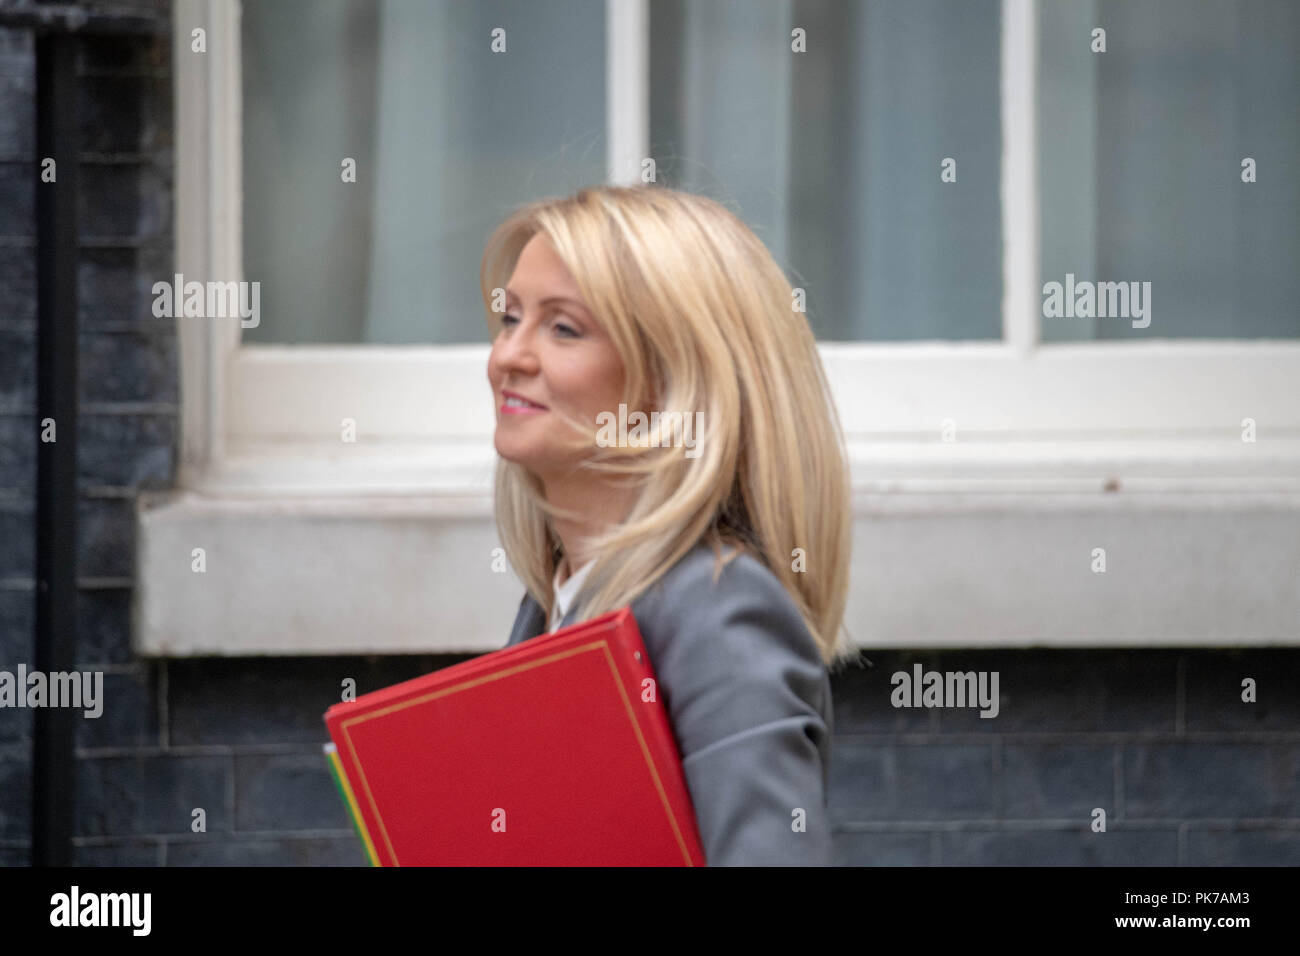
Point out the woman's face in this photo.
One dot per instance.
(551, 352)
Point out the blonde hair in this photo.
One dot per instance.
(703, 319)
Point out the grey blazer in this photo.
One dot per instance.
(749, 700)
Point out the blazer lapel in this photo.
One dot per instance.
(568, 618)
(531, 619)
(529, 622)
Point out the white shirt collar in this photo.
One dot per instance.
(566, 592)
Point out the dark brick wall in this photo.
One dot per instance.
(1186, 772)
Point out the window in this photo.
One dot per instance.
(835, 156)
(446, 138)
(922, 171)
(1142, 151)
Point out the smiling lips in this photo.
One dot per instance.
(518, 405)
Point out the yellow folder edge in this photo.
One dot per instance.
(345, 791)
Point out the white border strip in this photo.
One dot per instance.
(209, 189)
(1142, 390)
(1019, 186)
(627, 89)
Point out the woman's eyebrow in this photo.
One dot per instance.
(552, 298)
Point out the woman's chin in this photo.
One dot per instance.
(514, 454)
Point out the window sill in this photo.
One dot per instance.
(374, 551)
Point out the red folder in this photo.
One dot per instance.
(554, 752)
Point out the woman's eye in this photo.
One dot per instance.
(563, 328)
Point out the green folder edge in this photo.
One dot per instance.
(345, 793)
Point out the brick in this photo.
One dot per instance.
(15, 856)
(105, 537)
(103, 626)
(911, 781)
(304, 851)
(233, 701)
(129, 715)
(17, 539)
(861, 697)
(18, 289)
(155, 9)
(17, 114)
(103, 55)
(118, 796)
(132, 366)
(115, 285)
(18, 368)
(1213, 698)
(1070, 691)
(18, 441)
(286, 792)
(17, 625)
(1200, 780)
(1057, 781)
(16, 723)
(1080, 847)
(17, 55)
(127, 450)
(16, 785)
(274, 700)
(1239, 847)
(124, 200)
(118, 853)
(17, 199)
(121, 114)
(881, 849)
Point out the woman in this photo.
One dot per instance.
(725, 525)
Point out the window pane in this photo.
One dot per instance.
(1141, 166)
(447, 136)
(834, 155)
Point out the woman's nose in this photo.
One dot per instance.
(514, 349)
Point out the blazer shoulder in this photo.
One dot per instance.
(743, 590)
(739, 634)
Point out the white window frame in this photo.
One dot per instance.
(1036, 424)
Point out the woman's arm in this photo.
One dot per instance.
(749, 700)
